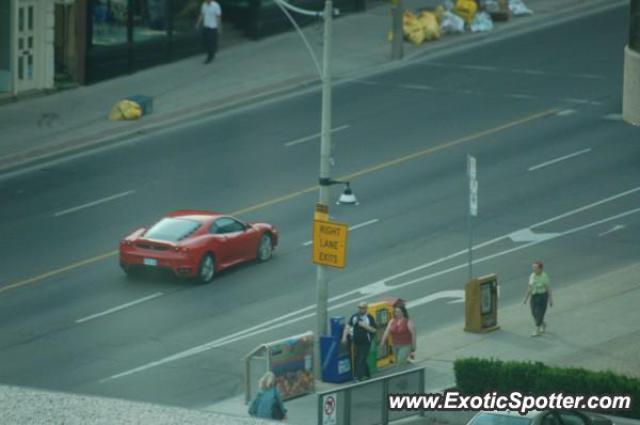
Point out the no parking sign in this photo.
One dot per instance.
(329, 405)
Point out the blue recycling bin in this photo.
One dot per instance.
(336, 325)
(335, 356)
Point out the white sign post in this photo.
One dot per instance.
(473, 205)
(329, 407)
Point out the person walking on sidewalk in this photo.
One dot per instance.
(211, 19)
(360, 331)
(403, 336)
(268, 401)
(539, 289)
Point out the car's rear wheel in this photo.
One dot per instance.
(207, 269)
(265, 249)
(130, 271)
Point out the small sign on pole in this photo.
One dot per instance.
(473, 186)
(321, 212)
(473, 205)
(471, 167)
(329, 407)
(473, 197)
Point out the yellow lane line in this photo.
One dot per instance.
(57, 271)
(465, 139)
(369, 170)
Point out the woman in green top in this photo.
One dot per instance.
(539, 290)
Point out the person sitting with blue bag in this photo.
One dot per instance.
(268, 401)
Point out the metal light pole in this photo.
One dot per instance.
(325, 181)
(325, 157)
(397, 12)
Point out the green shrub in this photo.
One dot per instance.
(480, 376)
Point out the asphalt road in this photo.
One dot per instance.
(559, 180)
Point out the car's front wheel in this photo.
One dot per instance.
(265, 249)
(207, 269)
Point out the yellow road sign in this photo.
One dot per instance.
(330, 243)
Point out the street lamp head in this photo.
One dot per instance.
(347, 197)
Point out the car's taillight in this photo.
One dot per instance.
(126, 242)
(181, 249)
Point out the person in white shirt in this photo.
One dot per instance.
(211, 19)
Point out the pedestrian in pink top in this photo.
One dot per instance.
(403, 336)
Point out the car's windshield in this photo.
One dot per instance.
(172, 229)
(497, 419)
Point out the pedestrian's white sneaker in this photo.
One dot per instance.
(543, 328)
(536, 332)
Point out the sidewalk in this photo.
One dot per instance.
(583, 331)
(45, 127)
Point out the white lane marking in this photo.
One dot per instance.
(581, 101)
(590, 76)
(314, 136)
(91, 204)
(526, 235)
(415, 87)
(512, 70)
(531, 71)
(520, 96)
(613, 229)
(586, 207)
(562, 158)
(480, 67)
(279, 322)
(613, 117)
(457, 294)
(366, 223)
(120, 307)
(500, 238)
(566, 112)
(355, 227)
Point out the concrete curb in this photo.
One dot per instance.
(20, 162)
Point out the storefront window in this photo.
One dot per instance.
(5, 47)
(109, 19)
(185, 14)
(150, 19)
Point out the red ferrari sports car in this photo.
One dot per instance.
(197, 244)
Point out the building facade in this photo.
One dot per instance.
(26, 46)
(49, 43)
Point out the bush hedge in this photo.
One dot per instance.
(480, 376)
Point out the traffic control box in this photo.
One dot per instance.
(481, 304)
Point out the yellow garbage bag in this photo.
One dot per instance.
(125, 110)
(412, 28)
(416, 36)
(408, 20)
(466, 9)
(430, 26)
